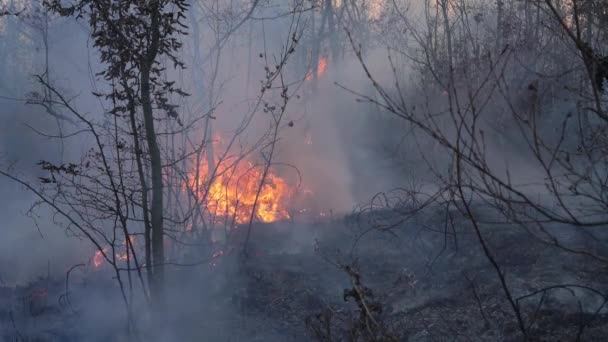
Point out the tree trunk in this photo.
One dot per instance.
(156, 209)
(499, 25)
(199, 86)
(315, 51)
(331, 27)
(143, 184)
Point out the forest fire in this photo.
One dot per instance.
(228, 193)
(321, 68)
(98, 258)
(235, 188)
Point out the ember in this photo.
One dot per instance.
(321, 68)
(98, 258)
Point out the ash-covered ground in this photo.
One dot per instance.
(428, 281)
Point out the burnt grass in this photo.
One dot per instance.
(431, 281)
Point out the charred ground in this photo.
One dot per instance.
(421, 281)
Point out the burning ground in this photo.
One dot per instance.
(422, 283)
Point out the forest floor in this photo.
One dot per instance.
(432, 284)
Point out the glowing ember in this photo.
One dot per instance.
(321, 67)
(233, 190)
(98, 258)
(215, 256)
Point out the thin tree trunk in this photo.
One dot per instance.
(144, 186)
(158, 252)
(499, 25)
(331, 27)
(315, 50)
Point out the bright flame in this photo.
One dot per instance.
(98, 258)
(233, 190)
(321, 67)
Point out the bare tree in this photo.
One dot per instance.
(476, 76)
(131, 38)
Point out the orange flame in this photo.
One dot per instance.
(321, 68)
(98, 258)
(233, 190)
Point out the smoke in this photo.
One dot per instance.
(32, 245)
(327, 150)
(341, 150)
